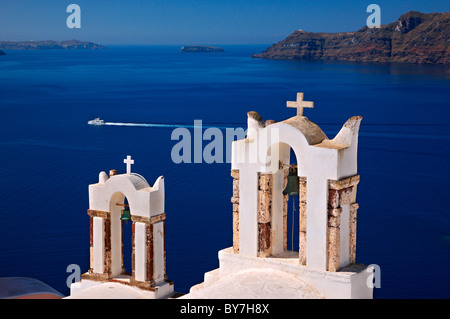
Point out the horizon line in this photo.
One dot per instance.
(137, 44)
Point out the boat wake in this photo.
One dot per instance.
(99, 122)
(151, 125)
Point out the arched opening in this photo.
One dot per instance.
(285, 208)
(291, 209)
(127, 244)
(121, 238)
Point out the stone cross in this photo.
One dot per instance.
(128, 161)
(300, 104)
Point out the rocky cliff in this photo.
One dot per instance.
(415, 38)
(49, 44)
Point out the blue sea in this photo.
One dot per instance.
(49, 155)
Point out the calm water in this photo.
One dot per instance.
(50, 155)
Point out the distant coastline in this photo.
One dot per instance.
(49, 44)
(200, 48)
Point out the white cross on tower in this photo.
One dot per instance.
(128, 161)
(300, 104)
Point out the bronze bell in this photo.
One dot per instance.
(126, 216)
(292, 187)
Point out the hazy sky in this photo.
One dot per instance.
(193, 21)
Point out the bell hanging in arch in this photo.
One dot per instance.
(292, 187)
(126, 216)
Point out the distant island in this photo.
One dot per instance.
(49, 44)
(200, 48)
(414, 38)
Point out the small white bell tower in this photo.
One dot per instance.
(146, 208)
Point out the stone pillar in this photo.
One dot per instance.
(140, 249)
(353, 209)
(334, 243)
(340, 194)
(235, 202)
(285, 209)
(159, 250)
(107, 269)
(302, 221)
(100, 245)
(149, 256)
(265, 185)
(91, 243)
(133, 248)
(166, 278)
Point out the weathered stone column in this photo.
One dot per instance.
(341, 194)
(124, 271)
(302, 220)
(285, 209)
(99, 245)
(265, 184)
(149, 256)
(91, 243)
(353, 209)
(108, 260)
(334, 223)
(159, 249)
(235, 202)
(166, 278)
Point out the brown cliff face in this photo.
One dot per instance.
(415, 38)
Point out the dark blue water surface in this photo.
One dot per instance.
(49, 155)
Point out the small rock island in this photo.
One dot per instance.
(2, 53)
(200, 48)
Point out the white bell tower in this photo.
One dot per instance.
(146, 208)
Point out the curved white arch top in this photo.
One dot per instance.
(144, 200)
(336, 158)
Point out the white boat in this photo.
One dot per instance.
(96, 121)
